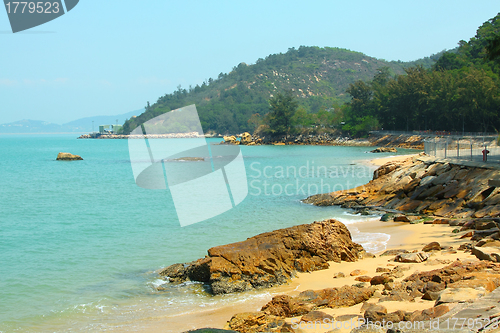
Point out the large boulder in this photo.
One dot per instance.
(68, 157)
(250, 322)
(270, 258)
(246, 138)
(231, 140)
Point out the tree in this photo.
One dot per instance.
(282, 110)
(493, 48)
(361, 93)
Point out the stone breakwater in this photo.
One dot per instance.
(269, 259)
(147, 136)
(397, 141)
(423, 185)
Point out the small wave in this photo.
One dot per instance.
(158, 282)
(371, 242)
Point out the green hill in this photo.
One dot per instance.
(318, 76)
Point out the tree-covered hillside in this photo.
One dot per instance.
(318, 77)
(461, 92)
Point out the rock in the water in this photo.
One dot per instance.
(246, 138)
(270, 258)
(68, 157)
(231, 139)
(384, 150)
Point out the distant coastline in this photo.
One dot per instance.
(396, 141)
(44, 133)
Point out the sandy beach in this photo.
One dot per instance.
(411, 237)
(403, 236)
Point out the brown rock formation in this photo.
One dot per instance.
(270, 258)
(287, 306)
(68, 157)
(251, 322)
(246, 138)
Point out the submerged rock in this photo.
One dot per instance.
(384, 150)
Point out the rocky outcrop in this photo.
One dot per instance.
(230, 140)
(270, 258)
(252, 322)
(68, 157)
(306, 301)
(422, 185)
(246, 138)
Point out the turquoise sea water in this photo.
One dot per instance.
(80, 241)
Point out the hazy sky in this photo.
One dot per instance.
(110, 57)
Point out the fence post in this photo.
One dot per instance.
(445, 148)
(471, 148)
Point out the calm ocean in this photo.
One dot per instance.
(80, 241)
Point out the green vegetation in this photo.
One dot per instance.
(336, 89)
(238, 101)
(283, 108)
(461, 92)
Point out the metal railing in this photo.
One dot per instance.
(438, 133)
(472, 149)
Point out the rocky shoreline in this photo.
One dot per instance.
(462, 284)
(269, 259)
(424, 185)
(394, 141)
